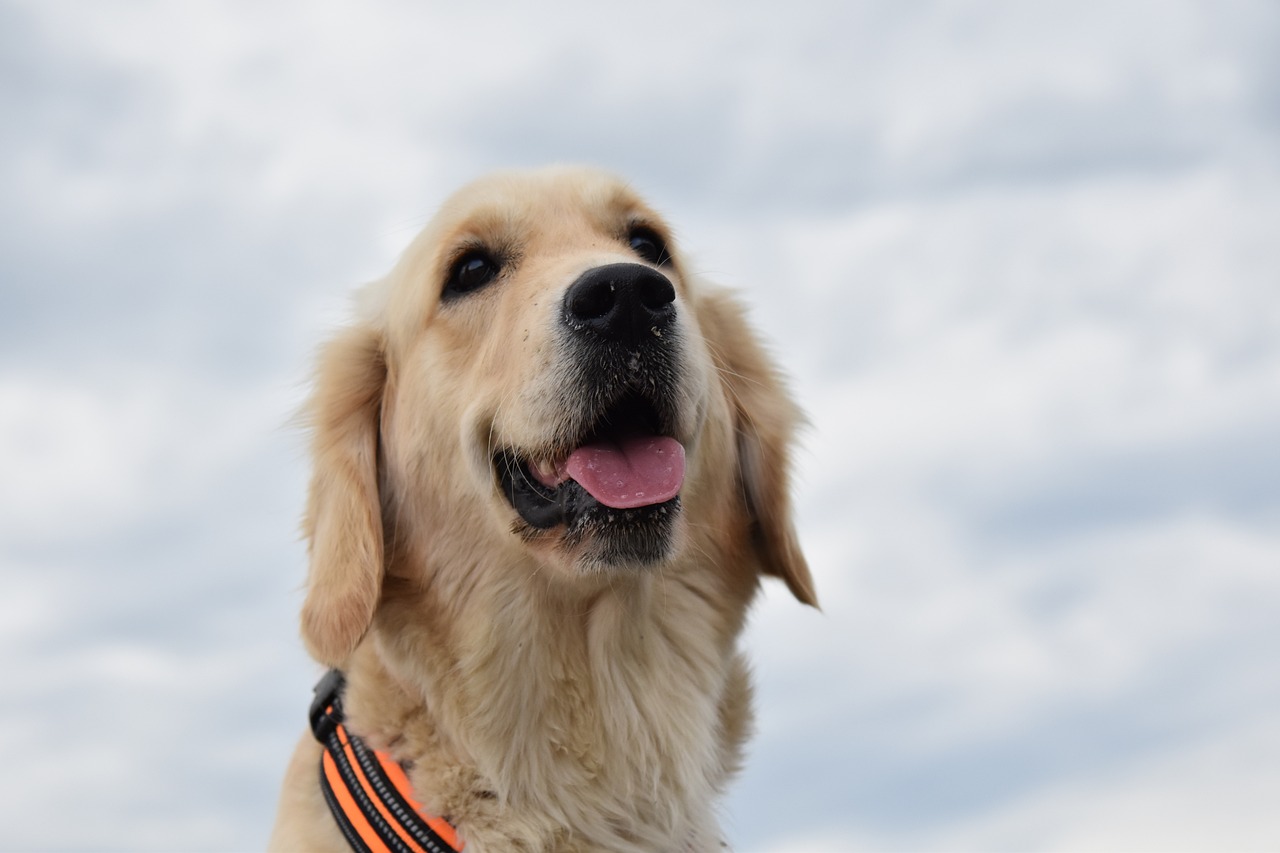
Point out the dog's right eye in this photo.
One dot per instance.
(646, 243)
(470, 272)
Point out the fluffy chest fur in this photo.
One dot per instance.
(610, 728)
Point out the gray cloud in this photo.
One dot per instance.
(1018, 258)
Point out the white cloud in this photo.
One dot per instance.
(971, 681)
(1211, 794)
(1214, 794)
(1030, 502)
(98, 455)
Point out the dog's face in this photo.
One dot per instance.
(576, 388)
(541, 378)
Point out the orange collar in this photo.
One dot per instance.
(367, 791)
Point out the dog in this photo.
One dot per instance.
(550, 468)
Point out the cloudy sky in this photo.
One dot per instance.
(1021, 261)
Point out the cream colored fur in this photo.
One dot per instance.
(540, 700)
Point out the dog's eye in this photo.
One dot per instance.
(648, 245)
(470, 272)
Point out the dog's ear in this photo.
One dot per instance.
(344, 517)
(765, 422)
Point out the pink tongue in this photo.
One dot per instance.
(631, 472)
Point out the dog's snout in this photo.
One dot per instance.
(626, 303)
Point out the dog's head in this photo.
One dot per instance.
(541, 380)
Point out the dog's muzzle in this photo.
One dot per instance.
(617, 473)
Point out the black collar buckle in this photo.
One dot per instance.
(326, 707)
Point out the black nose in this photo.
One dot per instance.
(626, 303)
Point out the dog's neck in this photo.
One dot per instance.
(564, 713)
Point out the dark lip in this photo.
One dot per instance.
(619, 537)
(615, 538)
(543, 507)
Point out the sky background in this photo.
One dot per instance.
(1022, 262)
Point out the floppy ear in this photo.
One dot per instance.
(765, 420)
(344, 516)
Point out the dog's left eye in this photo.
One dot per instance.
(470, 272)
(648, 245)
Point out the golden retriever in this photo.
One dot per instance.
(551, 465)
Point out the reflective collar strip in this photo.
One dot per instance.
(367, 791)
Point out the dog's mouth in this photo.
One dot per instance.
(620, 481)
